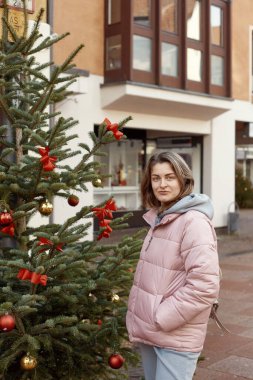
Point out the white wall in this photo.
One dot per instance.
(41, 57)
(219, 166)
(81, 107)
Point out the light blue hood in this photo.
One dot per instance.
(197, 202)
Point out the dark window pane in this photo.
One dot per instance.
(114, 7)
(169, 16)
(113, 52)
(141, 12)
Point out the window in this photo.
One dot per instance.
(124, 161)
(193, 16)
(217, 70)
(219, 47)
(114, 10)
(194, 65)
(113, 50)
(183, 44)
(142, 53)
(169, 16)
(169, 59)
(216, 25)
(141, 12)
(195, 46)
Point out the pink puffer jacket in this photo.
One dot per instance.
(175, 284)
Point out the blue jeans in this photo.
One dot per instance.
(164, 364)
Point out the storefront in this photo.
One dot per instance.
(244, 148)
(126, 160)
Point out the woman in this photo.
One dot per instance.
(177, 277)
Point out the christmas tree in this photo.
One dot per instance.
(62, 296)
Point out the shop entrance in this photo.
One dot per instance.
(125, 162)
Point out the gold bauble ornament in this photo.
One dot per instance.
(97, 182)
(87, 321)
(115, 297)
(28, 362)
(45, 208)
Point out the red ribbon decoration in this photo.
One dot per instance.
(44, 241)
(106, 211)
(35, 278)
(111, 205)
(105, 223)
(108, 229)
(46, 160)
(8, 230)
(101, 213)
(113, 128)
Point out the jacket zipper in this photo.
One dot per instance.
(151, 238)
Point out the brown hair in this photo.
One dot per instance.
(181, 169)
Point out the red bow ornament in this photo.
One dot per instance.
(33, 277)
(113, 128)
(101, 213)
(110, 206)
(47, 161)
(44, 241)
(106, 211)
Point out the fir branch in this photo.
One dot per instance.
(36, 74)
(6, 109)
(48, 42)
(35, 31)
(70, 58)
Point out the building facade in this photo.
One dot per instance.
(181, 68)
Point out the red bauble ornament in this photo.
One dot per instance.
(7, 322)
(73, 200)
(116, 361)
(5, 218)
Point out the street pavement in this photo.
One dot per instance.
(229, 356)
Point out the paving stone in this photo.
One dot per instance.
(211, 357)
(235, 365)
(237, 267)
(244, 351)
(226, 342)
(206, 374)
(248, 310)
(235, 295)
(239, 286)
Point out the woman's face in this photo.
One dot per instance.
(164, 182)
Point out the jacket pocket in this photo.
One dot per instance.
(157, 303)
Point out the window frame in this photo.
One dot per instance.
(201, 46)
(128, 29)
(174, 39)
(148, 32)
(222, 51)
